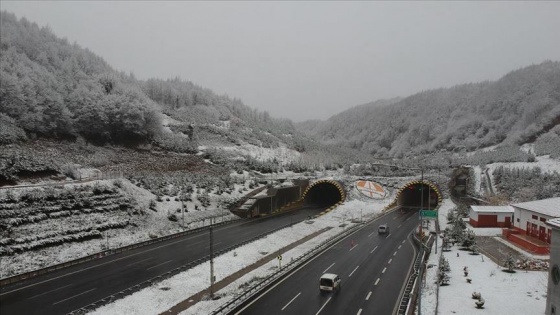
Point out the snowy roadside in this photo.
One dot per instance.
(496, 286)
(166, 294)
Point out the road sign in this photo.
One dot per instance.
(428, 213)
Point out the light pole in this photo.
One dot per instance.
(211, 261)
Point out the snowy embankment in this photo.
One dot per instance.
(496, 286)
(166, 294)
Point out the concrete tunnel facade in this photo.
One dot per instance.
(416, 195)
(324, 193)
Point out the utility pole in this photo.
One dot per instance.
(211, 262)
(183, 214)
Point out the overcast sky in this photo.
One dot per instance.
(308, 60)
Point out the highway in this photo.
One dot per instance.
(374, 272)
(68, 289)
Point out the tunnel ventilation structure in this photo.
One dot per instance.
(410, 197)
(324, 193)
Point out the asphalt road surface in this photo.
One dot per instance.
(374, 270)
(68, 289)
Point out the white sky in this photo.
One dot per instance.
(308, 60)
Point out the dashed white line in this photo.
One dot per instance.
(359, 312)
(373, 250)
(163, 263)
(376, 281)
(291, 301)
(137, 262)
(395, 217)
(390, 260)
(371, 234)
(403, 241)
(399, 226)
(395, 253)
(384, 269)
(400, 246)
(408, 218)
(74, 296)
(49, 291)
(319, 311)
(328, 267)
(369, 294)
(388, 236)
(350, 275)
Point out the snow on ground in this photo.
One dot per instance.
(477, 178)
(168, 293)
(546, 164)
(496, 286)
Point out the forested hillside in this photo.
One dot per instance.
(516, 109)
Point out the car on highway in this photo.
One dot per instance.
(329, 282)
(383, 229)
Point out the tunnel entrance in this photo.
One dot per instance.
(419, 195)
(324, 193)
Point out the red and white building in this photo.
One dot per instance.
(529, 228)
(491, 216)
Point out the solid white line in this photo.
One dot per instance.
(291, 301)
(163, 263)
(373, 250)
(395, 253)
(350, 275)
(137, 262)
(384, 269)
(98, 265)
(369, 294)
(74, 296)
(376, 281)
(319, 311)
(390, 260)
(329, 267)
(49, 292)
(359, 312)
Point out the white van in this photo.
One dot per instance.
(383, 229)
(329, 282)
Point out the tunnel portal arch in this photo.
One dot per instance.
(324, 193)
(409, 196)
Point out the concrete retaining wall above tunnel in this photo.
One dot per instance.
(414, 193)
(324, 193)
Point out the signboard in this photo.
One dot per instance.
(428, 213)
(371, 189)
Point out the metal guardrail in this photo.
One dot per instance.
(167, 275)
(98, 255)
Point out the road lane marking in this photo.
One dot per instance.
(373, 250)
(163, 263)
(384, 269)
(371, 234)
(403, 241)
(395, 217)
(388, 236)
(400, 246)
(390, 260)
(319, 311)
(359, 312)
(74, 296)
(137, 262)
(290, 301)
(351, 248)
(376, 281)
(399, 226)
(49, 291)
(408, 218)
(213, 245)
(329, 267)
(350, 275)
(395, 253)
(369, 294)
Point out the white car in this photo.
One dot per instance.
(329, 282)
(383, 229)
